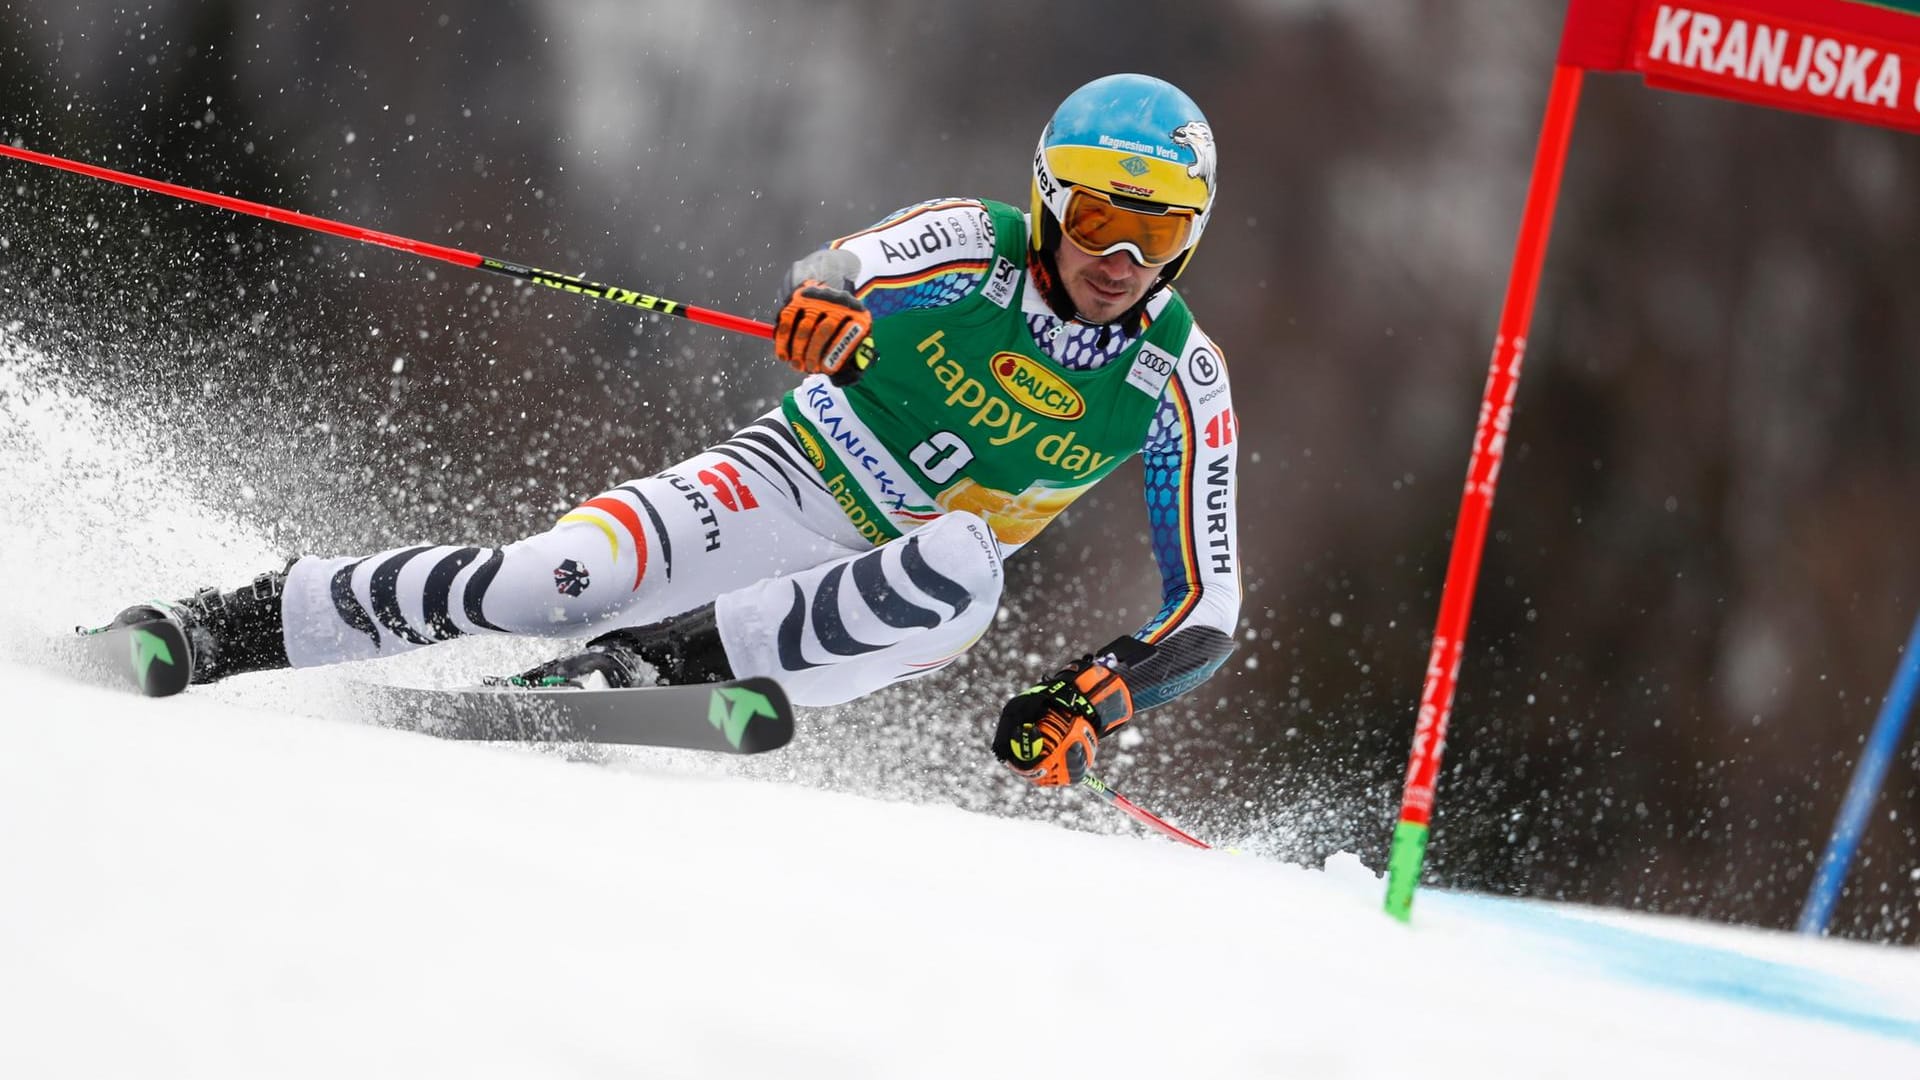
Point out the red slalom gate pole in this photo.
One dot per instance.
(517, 271)
(1409, 850)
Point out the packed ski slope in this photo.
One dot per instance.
(246, 881)
(206, 889)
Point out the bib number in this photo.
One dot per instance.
(941, 456)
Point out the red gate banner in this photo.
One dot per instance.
(1841, 58)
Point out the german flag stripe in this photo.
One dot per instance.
(619, 511)
(975, 267)
(1189, 521)
(930, 208)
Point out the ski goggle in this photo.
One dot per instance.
(1097, 225)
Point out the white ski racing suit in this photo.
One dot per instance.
(804, 592)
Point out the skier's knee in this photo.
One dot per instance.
(959, 548)
(560, 581)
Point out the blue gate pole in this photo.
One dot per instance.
(1865, 788)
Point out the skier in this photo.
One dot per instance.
(970, 370)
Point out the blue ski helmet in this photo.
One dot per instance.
(1126, 164)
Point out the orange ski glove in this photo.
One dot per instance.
(1051, 732)
(822, 328)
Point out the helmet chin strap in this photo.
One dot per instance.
(1044, 267)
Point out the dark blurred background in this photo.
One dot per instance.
(1702, 566)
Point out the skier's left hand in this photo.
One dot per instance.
(1050, 732)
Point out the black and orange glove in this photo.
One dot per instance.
(822, 328)
(1050, 733)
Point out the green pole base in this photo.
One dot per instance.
(1409, 854)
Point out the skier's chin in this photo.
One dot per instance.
(1097, 305)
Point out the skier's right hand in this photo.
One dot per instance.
(822, 328)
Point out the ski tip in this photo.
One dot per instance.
(754, 714)
(149, 656)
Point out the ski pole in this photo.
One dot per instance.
(532, 275)
(1127, 806)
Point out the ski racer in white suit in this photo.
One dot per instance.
(971, 370)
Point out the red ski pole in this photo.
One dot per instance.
(532, 275)
(1133, 810)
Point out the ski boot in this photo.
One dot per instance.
(674, 652)
(227, 633)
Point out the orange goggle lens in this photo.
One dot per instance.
(1098, 227)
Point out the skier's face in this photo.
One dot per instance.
(1103, 287)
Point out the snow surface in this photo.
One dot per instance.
(245, 881)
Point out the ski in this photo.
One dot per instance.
(149, 656)
(745, 716)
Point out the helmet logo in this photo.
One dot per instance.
(1198, 137)
(1042, 178)
(1134, 165)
